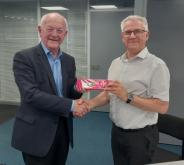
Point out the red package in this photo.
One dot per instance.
(91, 84)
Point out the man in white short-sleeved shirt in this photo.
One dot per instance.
(138, 92)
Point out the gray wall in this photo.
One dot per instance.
(166, 20)
(105, 40)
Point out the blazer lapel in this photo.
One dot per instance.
(64, 76)
(46, 66)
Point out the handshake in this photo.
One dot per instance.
(81, 107)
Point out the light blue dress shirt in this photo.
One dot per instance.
(55, 65)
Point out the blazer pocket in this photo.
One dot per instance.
(26, 118)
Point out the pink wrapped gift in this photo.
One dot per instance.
(91, 84)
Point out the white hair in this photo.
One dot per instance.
(134, 17)
(44, 17)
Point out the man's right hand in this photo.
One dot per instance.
(81, 108)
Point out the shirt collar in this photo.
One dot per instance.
(48, 52)
(142, 54)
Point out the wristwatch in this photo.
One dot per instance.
(130, 98)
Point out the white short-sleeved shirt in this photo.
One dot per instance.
(145, 75)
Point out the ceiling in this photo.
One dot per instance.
(118, 3)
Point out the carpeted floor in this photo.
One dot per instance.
(91, 139)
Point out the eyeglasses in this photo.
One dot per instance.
(136, 32)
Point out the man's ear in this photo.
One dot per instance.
(66, 33)
(147, 35)
(39, 29)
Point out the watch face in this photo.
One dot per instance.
(130, 98)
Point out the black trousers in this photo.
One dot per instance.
(58, 152)
(133, 147)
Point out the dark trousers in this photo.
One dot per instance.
(133, 147)
(58, 152)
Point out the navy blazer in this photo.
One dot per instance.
(40, 108)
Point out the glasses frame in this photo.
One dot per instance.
(136, 32)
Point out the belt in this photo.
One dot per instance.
(148, 127)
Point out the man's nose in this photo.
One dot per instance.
(54, 32)
(132, 34)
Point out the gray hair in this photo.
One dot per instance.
(135, 17)
(44, 17)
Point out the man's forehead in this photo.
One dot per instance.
(51, 22)
(133, 23)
